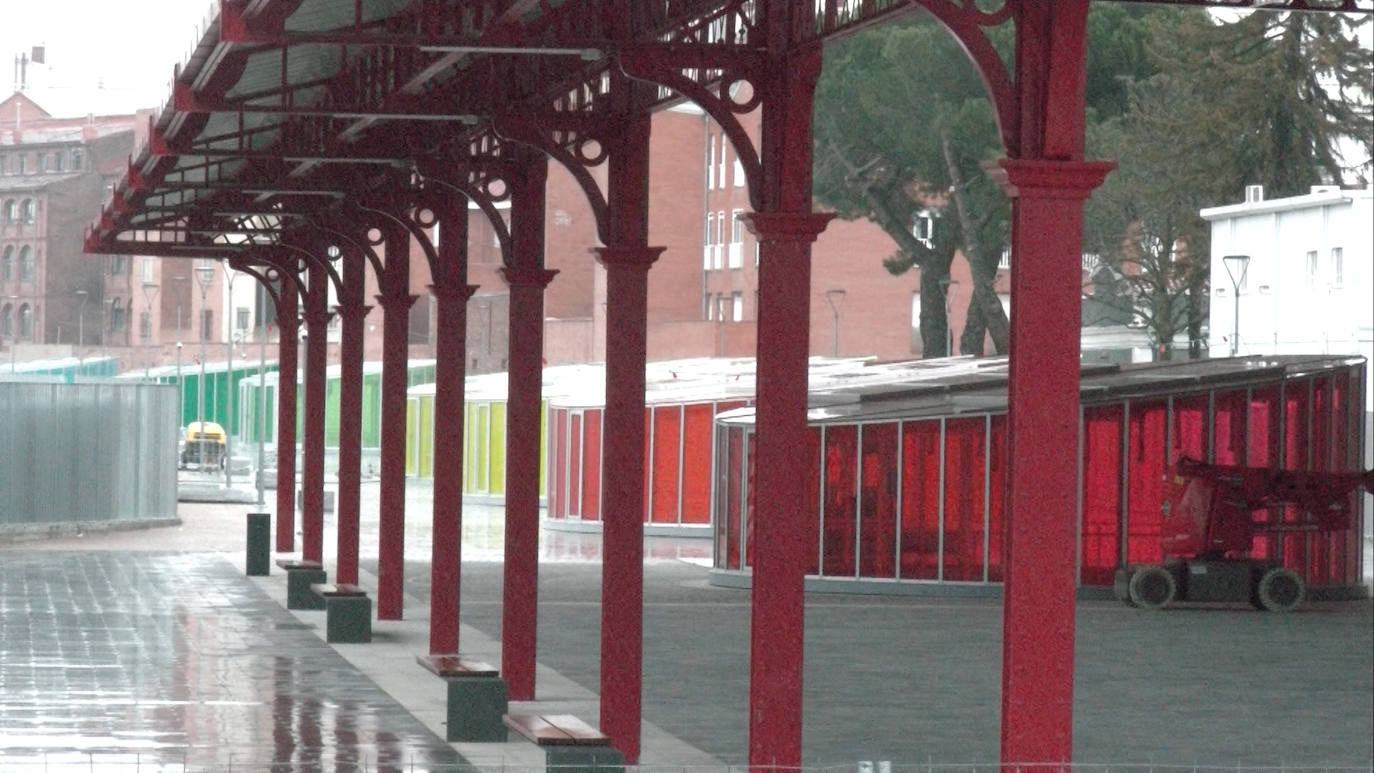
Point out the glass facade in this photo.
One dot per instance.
(922, 498)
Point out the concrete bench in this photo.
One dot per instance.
(477, 697)
(347, 613)
(300, 575)
(569, 744)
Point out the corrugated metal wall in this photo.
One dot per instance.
(87, 452)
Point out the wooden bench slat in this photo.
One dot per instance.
(456, 665)
(556, 730)
(290, 563)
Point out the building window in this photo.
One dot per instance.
(145, 326)
(78, 163)
(708, 308)
(146, 271)
(710, 161)
(25, 321)
(207, 321)
(58, 161)
(739, 172)
(241, 319)
(724, 155)
(11, 211)
(116, 315)
(30, 211)
(736, 239)
(737, 307)
(722, 311)
(23, 164)
(42, 163)
(119, 264)
(7, 322)
(7, 265)
(1337, 266)
(708, 240)
(2, 164)
(26, 264)
(716, 258)
(1312, 268)
(923, 227)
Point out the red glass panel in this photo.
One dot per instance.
(1297, 432)
(647, 456)
(997, 496)
(1101, 493)
(964, 450)
(878, 502)
(1228, 427)
(920, 537)
(811, 502)
(1189, 433)
(591, 465)
(1145, 463)
(667, 446)
(558, 471)
(1319, 554)
(696, 463)
(734, 477)
(1342, 432)
(838, 519)
(1266, 435)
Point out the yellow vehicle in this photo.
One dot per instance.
(203, 448)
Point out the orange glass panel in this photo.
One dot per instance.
(591, 465)
(1101, 520)
(696, 463)
(920, 537)
(878, 502)
(667, 446)
(964, 459)
(1145, 463)
(841, 455)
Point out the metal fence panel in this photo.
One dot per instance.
(87, 452)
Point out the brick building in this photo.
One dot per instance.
(53, 175)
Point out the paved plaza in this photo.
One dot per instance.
(154, 645)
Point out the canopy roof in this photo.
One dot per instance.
(290, 110)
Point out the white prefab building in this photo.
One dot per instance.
(1307, 287)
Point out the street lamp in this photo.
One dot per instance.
(205, 274)
(945, 284)
(836, 299)
(80, 330)
(149, 294)
(1236, 266)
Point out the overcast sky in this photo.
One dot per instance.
(103, 56)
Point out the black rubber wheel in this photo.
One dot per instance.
(1153, 587)
(1121, 585)
(1280, 590)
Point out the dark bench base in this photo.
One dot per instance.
(477, 697)
(570, 745)
(347, 613)
(300, 575)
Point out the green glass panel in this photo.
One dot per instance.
(412, 452)
(427, 437)
(497, 448)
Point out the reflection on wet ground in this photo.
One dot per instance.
(174, 662)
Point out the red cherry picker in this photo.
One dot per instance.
(1211, 514)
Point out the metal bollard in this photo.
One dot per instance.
(259, 544)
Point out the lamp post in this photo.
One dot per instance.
(205, 274)
(149, 295)
(1236, 266)
(80, 329)
(261, 405)
(229, 377)
(836, 299)
(945, 284)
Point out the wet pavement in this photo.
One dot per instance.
(172, 661)
(138, 646)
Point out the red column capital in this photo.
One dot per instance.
(399, 301)
(628, 257)
(1042, 179)
(794, 227)
(453, 293)
(316, 318)
(352, 311)
(528, 276)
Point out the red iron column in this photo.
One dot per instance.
(524, 392)
(287, 363)
(622, 487)
(395, 301)
(351, 311)
(312, 472)
(1042, 443)
(785, 228)
(452, 292)
(777, 622)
